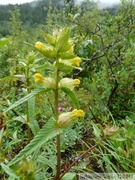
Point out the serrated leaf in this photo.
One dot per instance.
(9, 171)
(49, 131)
(72, 95)
(9, 79)
(69, 176)
(26, 98)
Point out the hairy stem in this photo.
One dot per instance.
(27, 106)
(58, 136)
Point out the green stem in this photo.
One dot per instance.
(58, 158)
(27, 106)
(58, 136)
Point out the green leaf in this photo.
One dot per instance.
(67, 68)
(67, 55)
(49, 131)
(4, 41)
(50, 39)
(97, 131)
(31, 110)
(9, 171)
(46, 162)
(31, 45)
(46, 65)
(69, 176)
(26, 98)
(63, 44)
(72, 95)
(9, 79)
(1, 136)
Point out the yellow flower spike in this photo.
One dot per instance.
(65, 119)
(69, 83)
(46, 82)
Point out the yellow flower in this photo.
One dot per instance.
(76, 61)
(78, 113)
(71, 62)
(46, 82)
(71, 49)
(38, 77)
(65, 119)
(46, 50)
(69, 83)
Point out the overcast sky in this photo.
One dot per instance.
(24, 1)
(14, 1)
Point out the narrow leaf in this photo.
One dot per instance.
(73, 97)
(9, 171)
(71, 176)
(26, 98)
(46, 65)
(49, 131)
(31, 110)
(97, 131)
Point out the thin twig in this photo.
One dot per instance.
(79, 157)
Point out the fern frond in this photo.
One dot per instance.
(9, 80)
(49, 131)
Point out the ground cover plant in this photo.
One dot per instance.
(67, 94)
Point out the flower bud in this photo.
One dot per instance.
(69, 83)
(71, 62)
(47, 51)
(110, 131)
(46, 82)
(65, 119)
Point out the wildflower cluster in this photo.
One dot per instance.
(60, 48)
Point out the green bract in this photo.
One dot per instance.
(63, 44)
(50, 39)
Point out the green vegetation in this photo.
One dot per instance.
(67, 96)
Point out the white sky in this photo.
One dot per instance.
(24, 1)
(14, 1)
